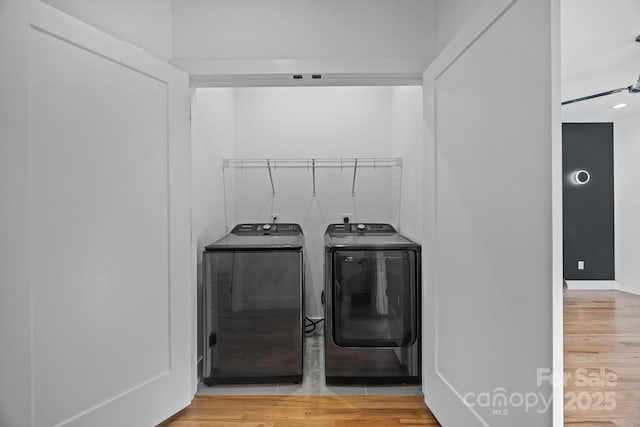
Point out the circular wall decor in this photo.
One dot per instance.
(582, 177)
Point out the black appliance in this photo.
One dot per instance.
(372, 305)
(253, 293)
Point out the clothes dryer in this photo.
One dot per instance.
(372, 305)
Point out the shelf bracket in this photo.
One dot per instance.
(355, 169)
(273, 189)
(313, 171)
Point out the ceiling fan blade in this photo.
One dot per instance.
(597, 95)
(635, 88)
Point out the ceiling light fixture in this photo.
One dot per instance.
(618, 106)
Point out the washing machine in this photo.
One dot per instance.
(253, 298)
(372, 305)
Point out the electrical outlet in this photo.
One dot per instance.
(349, 216)
(580, 265)
(275, 216)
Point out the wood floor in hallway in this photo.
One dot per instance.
(602, 359)
(304, 411)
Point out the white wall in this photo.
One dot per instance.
(382, 33)
(626, 151)
(407, 142)
(213, 137)
(15, 363)
(451, 17)
(143, 23)
(313, 122)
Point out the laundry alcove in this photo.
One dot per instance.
(281, 132)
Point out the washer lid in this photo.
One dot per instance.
(258, 237)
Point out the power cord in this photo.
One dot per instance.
(310, 324)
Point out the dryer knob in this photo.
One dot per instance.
(361, 227)
(266, 227)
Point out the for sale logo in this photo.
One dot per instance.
(590, 389)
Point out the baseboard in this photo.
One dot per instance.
(592, 285)
(631, 289)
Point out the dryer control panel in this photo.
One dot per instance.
(363, 228)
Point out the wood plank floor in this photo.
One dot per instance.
(602, 359)
(304, 411)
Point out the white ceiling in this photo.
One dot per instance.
(599, 53)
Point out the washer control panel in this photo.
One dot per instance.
(266, 228)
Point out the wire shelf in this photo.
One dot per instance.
(342, 162)
(314, 163)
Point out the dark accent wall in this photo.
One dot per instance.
(588, 221)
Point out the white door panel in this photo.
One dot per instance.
(488, 270)
(109, 248)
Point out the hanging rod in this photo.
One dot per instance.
(338, 162)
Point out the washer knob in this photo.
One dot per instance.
(266, 227)
(361, 227)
